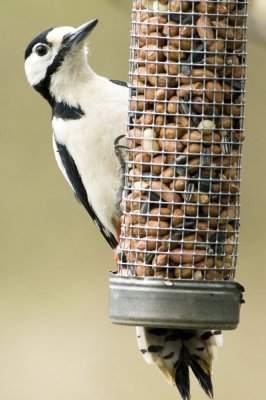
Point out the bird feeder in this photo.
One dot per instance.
(177, 254)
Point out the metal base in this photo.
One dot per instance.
(174, 304)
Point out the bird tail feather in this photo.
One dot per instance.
(185, 361)
(175, 351)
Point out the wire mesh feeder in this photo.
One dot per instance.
(178, 245)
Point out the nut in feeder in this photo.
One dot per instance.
(180, 206)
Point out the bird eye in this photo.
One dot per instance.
(41, 50)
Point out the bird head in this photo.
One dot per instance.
(54, 50)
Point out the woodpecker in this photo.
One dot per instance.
(89, 115)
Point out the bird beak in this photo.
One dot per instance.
(81, 33)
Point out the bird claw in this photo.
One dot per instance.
(117, 140)
(118, 152)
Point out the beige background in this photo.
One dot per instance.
(56, 341)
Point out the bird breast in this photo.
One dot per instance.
(90, 140)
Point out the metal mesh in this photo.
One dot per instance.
(180, 202)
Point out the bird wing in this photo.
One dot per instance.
(69, 169)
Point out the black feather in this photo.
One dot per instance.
(133, 90)
(41, 38)
(169, 356)
(206, 335)
(67, 112)
(203, 377)
(182, 381)
(43, 87)
(182, 375)
(117, 82)
(157, 331)
(155, 348)
(80, 191)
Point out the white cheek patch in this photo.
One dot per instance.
(36, 67)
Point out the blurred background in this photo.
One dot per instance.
(56, 341)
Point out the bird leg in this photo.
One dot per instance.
(118, 148)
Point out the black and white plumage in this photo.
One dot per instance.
(89, 114)
(176, 351)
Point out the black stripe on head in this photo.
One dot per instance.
(43, 87)
(41, 38)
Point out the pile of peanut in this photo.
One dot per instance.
(181, 199)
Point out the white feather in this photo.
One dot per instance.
(90, 140)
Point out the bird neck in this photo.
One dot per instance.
(70, 81)
(66, 80)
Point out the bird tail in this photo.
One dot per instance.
(175, 351)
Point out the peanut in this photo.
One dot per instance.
(178, 217)
(188, 256)
(160, 213)
(154, 228)
(167, 195)
(204, 29)
(143, 270)
(152, 24)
